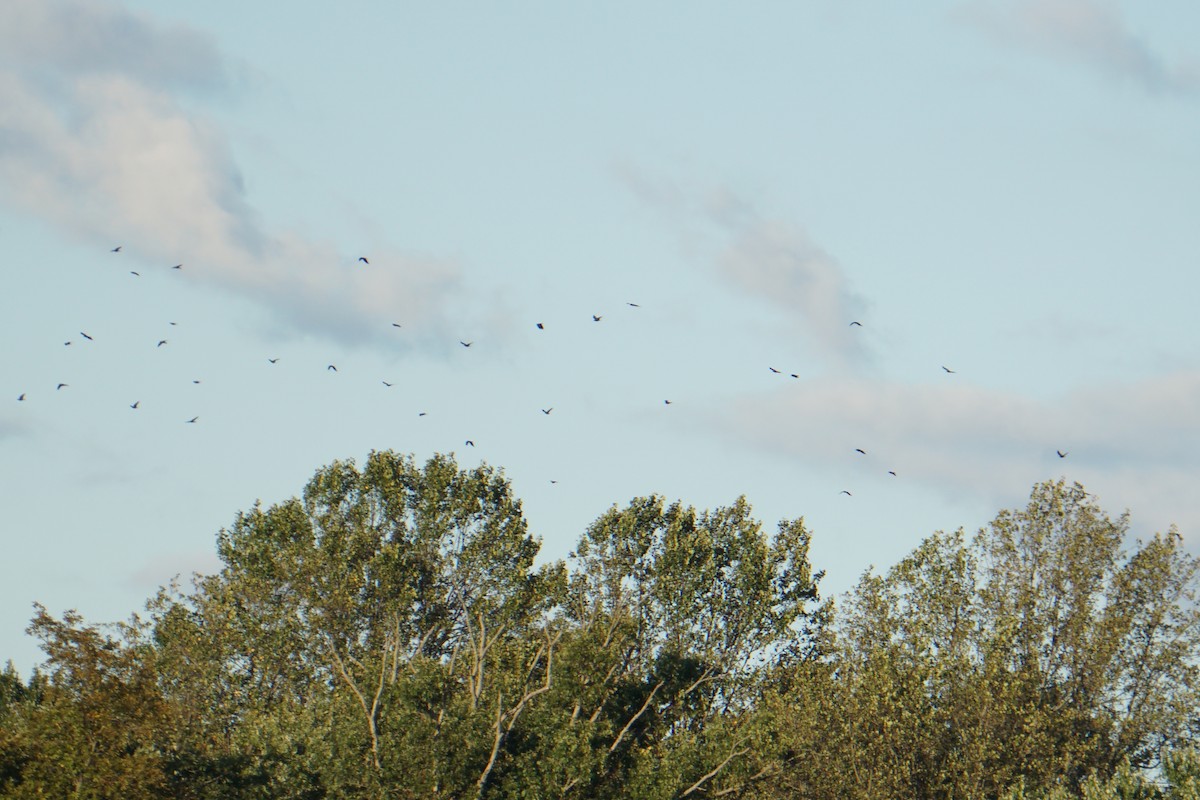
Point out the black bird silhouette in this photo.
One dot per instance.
(61, 385)
(22, 397)
(192, 420)
(172, 323)
(135, 274)
(846, 493)
(84, 335)
(856, 322)
(177, 266)
(595, 318)
(554, 481)
(273, 360)
(892, 473)
(465, 344)
(397, 325)
(364, 260)
(794, 375)
(136, 404)
(860, 450)
(116, 249)
(423, 413)
(195, 381)
(950, 371)
(547, 410)
(633, 305)
(667, 402)
(469, 443)
(385, 383)
(774, 370)
(1061, 454)
(541, 327)
(331, 367)
(161, 342)
(66, 344)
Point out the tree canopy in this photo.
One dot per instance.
(389, 633)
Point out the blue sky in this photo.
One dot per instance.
(1006, 189)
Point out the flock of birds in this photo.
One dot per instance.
(596, 318)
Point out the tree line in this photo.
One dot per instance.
(388, 634)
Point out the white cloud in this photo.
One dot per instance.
(1090, 31)
(1137, 445)
(94, 138)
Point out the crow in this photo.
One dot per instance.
(846, 493)
(135, 274)
(856, 322)
(465, 344)
(161, 342)
(136, 404)
(595, 318)
(547, 411)
(469, 443)
(541, 327)
(1061, 454)
(331, 367)
(364, 260)
(860, 450)
(273, 360)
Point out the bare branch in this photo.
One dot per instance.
(708, 775)
(634, 718)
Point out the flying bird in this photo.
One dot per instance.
(860, 450)
(21, 398)
(892, 473)
(397, 325)
(116, 249)
(469, 443)
(633, 305)
(1061, 454)
(161, 342)
(84, 335)
(364, 260)
(948, 370)
(273, 360)
(192, 420)
(794, 375)
(547, 411)
(177, 266)
(136, 404)
(135, 274)
(666, 402)
(331, 367)
(61, 385)
(465, 344)
(66, 344)
(172, 323)
(856, 322)
(541, 327)
(385, 383)
(774, 370)
(846, 493)
(423, 413)
(595, 318)
(195, 381)
(553, 481)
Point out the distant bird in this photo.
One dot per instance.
(554, 481)
(61, 385)
(21, 398)
(84, 335)
(423, 413)
(860, 450)
(633, 305)
(469, 443)
(948, 370)
(116, 249)
(892, 473)
(195, 381)
(172, 323)
(364, 260)
(541, 327)
(135, 274)
(667, 402)
(774, 370)
(192, 420)
(856, 322)
(595, 318)
(331, 367)
(1061, 454)
(465, 344)
(66, 344)
(547, 411)
(846, 493)
(136, 404)
(385, 383)
(794, 375)
(273, 360)
(161, 342)
(397, 325)
(177, 266)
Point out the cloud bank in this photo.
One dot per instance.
(1087, 31)
(95, 137)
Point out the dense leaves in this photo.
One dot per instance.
(389, 634)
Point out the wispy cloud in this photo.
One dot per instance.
(1141, 439)
(770, 259)
(1089, 31)
(95, 138)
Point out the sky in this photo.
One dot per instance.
(687, 196)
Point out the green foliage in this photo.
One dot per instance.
(388, 634)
